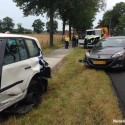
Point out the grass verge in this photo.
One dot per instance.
(77, 96)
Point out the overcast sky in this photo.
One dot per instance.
(8, 8)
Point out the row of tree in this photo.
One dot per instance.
(79, 14)
(7, 24)
(115, 19)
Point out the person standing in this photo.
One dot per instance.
(73, 41)
(77, 40)
(67, 40)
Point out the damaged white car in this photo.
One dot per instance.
(23, 71)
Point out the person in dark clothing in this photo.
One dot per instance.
(85, 43)
(73, 41)
(76, 40)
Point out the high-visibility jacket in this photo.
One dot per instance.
(77, 37)
(67, 39)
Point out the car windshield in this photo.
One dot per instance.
(111, 42)
(90, 32)
(93, 32)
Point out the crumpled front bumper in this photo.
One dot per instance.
(46, 73)
(110, 63)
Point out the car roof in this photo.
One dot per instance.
(4, 35)
(93, 29)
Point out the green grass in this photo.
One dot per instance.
(77, 96)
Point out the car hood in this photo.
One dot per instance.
(106, 52)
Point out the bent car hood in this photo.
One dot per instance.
(106, 52)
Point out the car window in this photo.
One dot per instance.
(97, 32)
(32, 47)
(11, 54)
(90, 32)
(22, 49)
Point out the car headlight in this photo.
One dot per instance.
(87, 54)
(119, 54)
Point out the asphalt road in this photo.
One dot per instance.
(118, 82)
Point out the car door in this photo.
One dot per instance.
(15, 72)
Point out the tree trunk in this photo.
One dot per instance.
(51, 25)
(64, 23)
(69, 30)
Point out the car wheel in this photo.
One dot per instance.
(45, 85)
(34, 93)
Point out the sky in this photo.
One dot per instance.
(8, 8)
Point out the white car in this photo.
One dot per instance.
(23, 71)
(91, 38)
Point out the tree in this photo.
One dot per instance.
(38, 7)
(114, 18)
(79, 14)
(107, 20)
(7, 24)
(55, 26)
(38, 26)
(86, 11)
(69, 10)
(63, 12)
(20, 29)
(28, 31)
(1, 26)
(122, 24)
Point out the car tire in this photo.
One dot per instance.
(34, 93)
(45, 85)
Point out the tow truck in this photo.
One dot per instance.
(92, 36)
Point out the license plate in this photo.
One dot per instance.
(99, 62)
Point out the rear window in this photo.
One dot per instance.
(32, 47)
